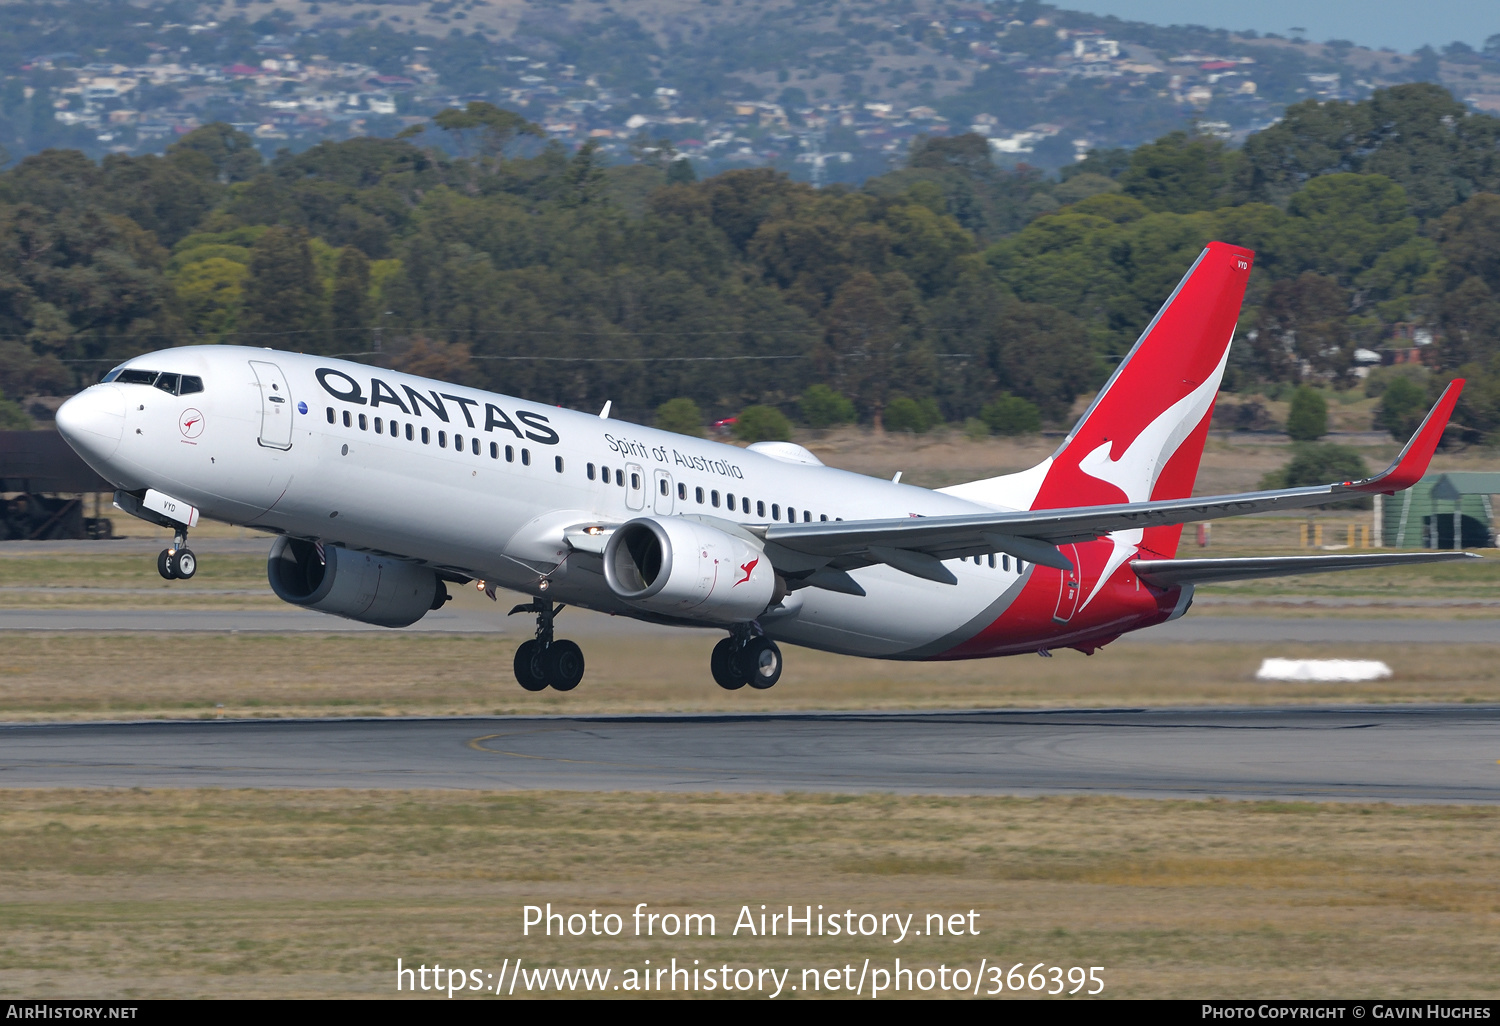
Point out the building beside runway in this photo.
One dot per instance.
(1453, 510)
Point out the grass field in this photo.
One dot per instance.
(62, 676)
(316, 894)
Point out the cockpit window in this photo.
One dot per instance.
(110, 376)
(176, 384)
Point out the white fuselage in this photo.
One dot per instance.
(483, 485)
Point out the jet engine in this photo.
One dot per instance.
(683, 567)
(357, 585)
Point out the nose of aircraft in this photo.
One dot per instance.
(93, 422)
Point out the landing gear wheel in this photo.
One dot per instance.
(722, 665)
(564, 665)
(761, 662)
(165, 565)
(185, 563)
(530, 666)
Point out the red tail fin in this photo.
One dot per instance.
(1143, 436)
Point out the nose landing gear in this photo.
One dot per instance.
(743, 658)
(177, 563)
(544, 662)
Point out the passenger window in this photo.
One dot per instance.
(494, 450)
(330, 415)
(760, 509)
(347, 421)
(590, 470)
(426, 436)
(992, 561)
(458, 443)
(190, 384)
(698, 493)
(714, 498)
(1020, 566)
(775, 511)
(525, 457)
(474, 446)
(729, 500)
(635, 482)
(620, 478)
(408, 433)
(557, 461)
(379, 426)
(364, 423)
(745, 504)
(510, 454)
(605, 472)
(664, 486)
(806, 516)
(823, 516)
(791, 515)
(395, 430)
(442, 439)
(1005, 563)
(681, 490)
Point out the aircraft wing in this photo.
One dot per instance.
(1169, 573)
(917, 545)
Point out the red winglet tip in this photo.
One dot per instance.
(1417, 455)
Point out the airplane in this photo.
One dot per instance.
(384, 488)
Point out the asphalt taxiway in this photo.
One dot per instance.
(1402, 754)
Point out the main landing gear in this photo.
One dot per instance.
(544, 662)
(745, 658)
(178, 562)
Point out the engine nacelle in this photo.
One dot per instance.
(357, 585)
(682, 567)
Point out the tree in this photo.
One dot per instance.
(917, 416)
(822, 407)
(1181, 173)
(13, 417)
(681, 416)
(761, 424)
(1012, 415)
(1402, 406)
(349, 309)
(680, 172)
(1302, 329)
(216, 151)
(210, 293)
(1321, 463)
(492, 129)
(283, 297)
(1308, 419)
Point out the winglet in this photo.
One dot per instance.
(1409, 467)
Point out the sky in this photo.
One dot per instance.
(1403, 25)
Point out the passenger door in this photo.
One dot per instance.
(663, 494)
(275, 406)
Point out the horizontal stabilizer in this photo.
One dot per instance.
(1170, 573)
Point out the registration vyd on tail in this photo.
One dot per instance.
(385, 489)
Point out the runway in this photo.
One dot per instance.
(1402, 754)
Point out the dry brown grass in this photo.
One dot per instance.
(56, 676)
(197, 893)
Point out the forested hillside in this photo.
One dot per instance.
(950, 283)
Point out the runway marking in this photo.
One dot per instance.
(474, 744)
